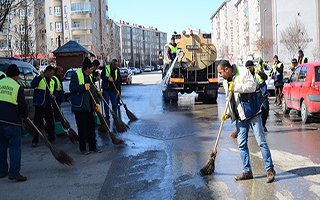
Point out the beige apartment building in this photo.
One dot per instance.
(246, 29)
(141, 46)
(24, 31)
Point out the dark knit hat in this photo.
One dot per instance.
(294, 60)
(86, 63)
(95, 63)
(13, 70)
(249, 63)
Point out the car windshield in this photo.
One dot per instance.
(317, 71)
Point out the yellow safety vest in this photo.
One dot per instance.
(42, 85)
(59, 87)
(9, 90)
(258, 77)
(173, 49)
(108, 72)
(81, 76)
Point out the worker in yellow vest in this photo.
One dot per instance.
(301, 58)
(111, 86)
(83, 107)
(43, 104)
(13, 107)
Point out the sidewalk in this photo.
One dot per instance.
(48, 179)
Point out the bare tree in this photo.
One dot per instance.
(263, 44)
(295, 37)
(6, 6)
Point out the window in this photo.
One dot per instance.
(51, 41)
(80, 7)
(22, 13)
(58, 27)
(57, 11)
(22, 29)
(65, 10)
(94, 25)
(295, 75)
(50, 10)
(51, 27)
(303, 74)
(66, 25)
(76, 25)
(317, 73)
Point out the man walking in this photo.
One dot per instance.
(13, 107)
(244, 108)
(43, 103)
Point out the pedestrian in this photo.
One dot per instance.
(111, 86)
(83, 107)
(13, 108)
(244, 108)
(301, 58)
(277, 74)
(42, 100)
(95, 73)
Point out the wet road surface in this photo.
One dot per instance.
(170, 143)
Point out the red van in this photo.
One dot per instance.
(302, 91)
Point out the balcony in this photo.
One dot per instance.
(81, 30)
(81, 14)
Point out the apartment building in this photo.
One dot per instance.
(23, 33)
(139, 45)
(245, 29)
(113, 47)
(84, 21)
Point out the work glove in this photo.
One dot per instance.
(224, 117)
(100, 94)
(87, 86)
(118, 93)
(110, 79)
(231, 86)
(97, 107)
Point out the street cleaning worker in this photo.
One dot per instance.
(58, 87)
(244, 108)
(172, 50)
(260, 77)
(111, 77)
(294, 65)
(13, 107)
(83, 107)
(43, 104)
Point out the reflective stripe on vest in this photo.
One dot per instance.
(80, 77)
(9, 90)
(108, 72)
(59, 88)
(42, 85)
(173, 49)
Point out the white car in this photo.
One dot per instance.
(147, 69)
(66, 81)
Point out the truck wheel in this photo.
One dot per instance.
(305, 116)
(285, 109)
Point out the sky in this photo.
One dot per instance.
(166, 15)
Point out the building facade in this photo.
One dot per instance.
(246, 29)
(140, 46)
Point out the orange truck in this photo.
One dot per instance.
(194, 71)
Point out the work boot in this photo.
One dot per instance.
(96, 151)
(18, 177)
(244, 176)
(270, 175)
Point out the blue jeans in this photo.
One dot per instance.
(243, 128)
(110, 96)
(10, 137)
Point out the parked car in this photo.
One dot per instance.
(66, 81)
(27, 74)
(126, 75)
(301, 91)
(135, 70)
(138, 70)
(147, 69)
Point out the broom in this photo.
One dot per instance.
(120, 125)
(208, 169)
(73, 136)
(58, 154)
(114, 139)
(130, 115)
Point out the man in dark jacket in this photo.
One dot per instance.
(58, 87)
(111, 86)
(43, 92)
(83, 106)
(13, 107)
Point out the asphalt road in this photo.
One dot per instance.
(164, 151)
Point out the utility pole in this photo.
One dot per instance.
(26, 31)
